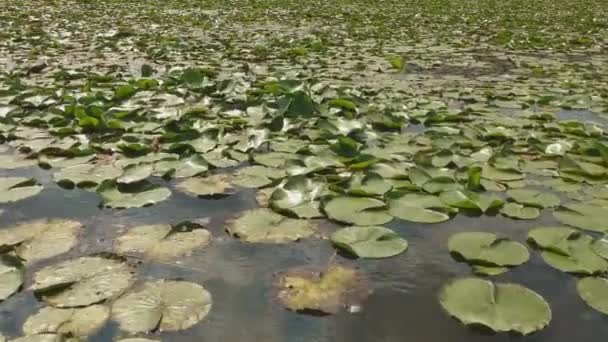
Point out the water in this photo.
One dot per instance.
(403, 306)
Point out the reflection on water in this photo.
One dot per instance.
(403, 306)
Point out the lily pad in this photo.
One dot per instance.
(182, 168)
(162, 305)
(11, 276)
(141, 196)
(419, 208)
(135, 173)
(257, 176)
(519, 211)
(594, 291)
(11, 162)
(471, 200)
(73, 322)
(330, 291)
(369, 242)
(265, 226)
(86, 175)
(568, 250)
(13, 189)
(162, 242)
(360, 211)
(298, 196)
(583, 215)
(486, 249)
(533, 198)
(83, 281)
(500, 307)
(41, 239)
(214, 185)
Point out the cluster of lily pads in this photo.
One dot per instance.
(435, 110)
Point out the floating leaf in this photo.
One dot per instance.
(499, 175)
(143, 195)
(500, 307)
(329, 291)
(360, 211)
(40, 338)
(519, 211)
(11, 276)
(419, 208)
(182, 168)
(594, 291)
(584, 216)
(73, 322)
(13, 189)
(369, 242)
(298, 196)
(471, 200)
(86, 175)
(568, 250)
(533, 198)
(135, 173)
(214, 185)
(256, 176)
(162, 305)
(162, 242)
(369, 184)
(11, 162)
(83, 281)
(487, 249)
(41, 239)
(266, 226)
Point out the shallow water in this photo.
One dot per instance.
(403, 305)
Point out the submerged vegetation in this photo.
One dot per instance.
(339, 117)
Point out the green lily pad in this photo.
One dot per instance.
(499, 175)
(91, 279)
(142, 196)
(519, 211)
(298, 196)
(568, 250)
(13, 189)
(40, 338)
(162, 242)
(369, 242)
(11, 162)
(533, 198)
(369, 184)
(273, 159)
(12, 275)
(594, 291)
(135, 173)
(486, 249)
(584, 216)
(162, 305)
(86, 175)
(500, 307)
(330, 291)
(182, 168)
(360, 211)
(257, 176)
(214, 185)
(41, 239)
(471, 200)
(265, 226)
(73, 321)
(488, 270)
(419, 208)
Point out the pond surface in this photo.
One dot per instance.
(438, 86)
(403, 304)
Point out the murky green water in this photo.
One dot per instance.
(403, 306)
